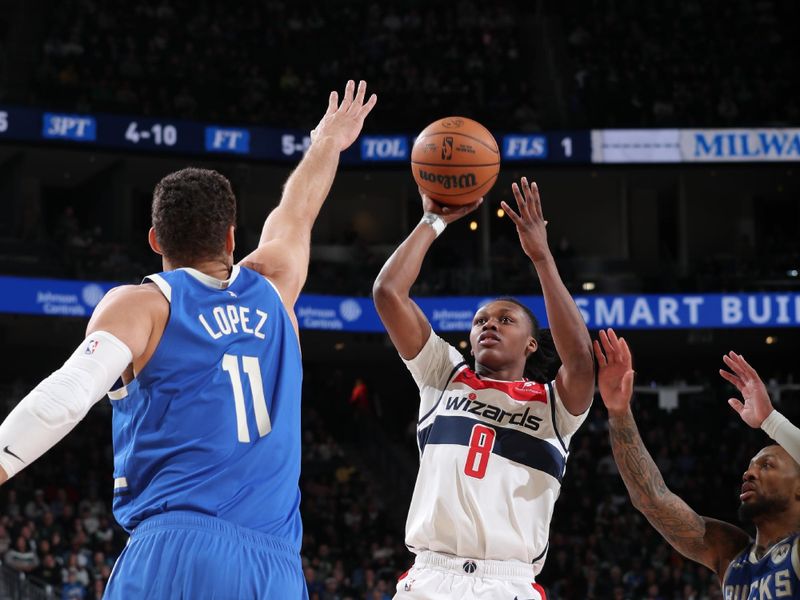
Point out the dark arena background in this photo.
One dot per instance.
(664, 137)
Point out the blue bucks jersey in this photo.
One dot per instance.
(212, 423)
(775, 575)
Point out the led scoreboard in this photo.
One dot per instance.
(151, 134)
(155, 134)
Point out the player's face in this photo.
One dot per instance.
(501, 335)
(770, 484)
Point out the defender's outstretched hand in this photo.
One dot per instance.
(529, 221)
(757, 405)
(615, 377)
(344, 121)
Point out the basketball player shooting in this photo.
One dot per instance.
(207, 430)
(492, 439)
(768, 567)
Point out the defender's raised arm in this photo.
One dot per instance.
(708, 541)
(284, 249)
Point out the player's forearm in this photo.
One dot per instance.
(780, 429)
(709, 542)
(403, 267)
(570, 335)
(60, 401)
(679, 525)
(642, 478)
(308, 186)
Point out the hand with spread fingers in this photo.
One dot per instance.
(529, 220)
(757, 405)
(448, 213)
(344, 121)
(615, 377)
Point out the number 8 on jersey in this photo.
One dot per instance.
(481, 442)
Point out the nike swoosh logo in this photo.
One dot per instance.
(7, 451)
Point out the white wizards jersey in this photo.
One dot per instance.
(492, 456)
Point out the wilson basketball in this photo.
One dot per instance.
(455, 160)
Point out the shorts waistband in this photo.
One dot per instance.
(199, 522)
(501, 569)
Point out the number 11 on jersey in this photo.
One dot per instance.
(252, 369)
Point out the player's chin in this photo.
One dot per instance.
(493, 357)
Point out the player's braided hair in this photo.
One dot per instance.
(540, 364)
(192, 211)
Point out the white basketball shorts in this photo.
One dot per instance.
(437, 576)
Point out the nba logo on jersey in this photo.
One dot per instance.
(780, 553)
(91, 346)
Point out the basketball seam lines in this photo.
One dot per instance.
(455, 166)
(469, 137)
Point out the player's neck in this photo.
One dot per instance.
(218, 269)
(772, 531)
(504, 374)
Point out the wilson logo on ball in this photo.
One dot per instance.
(448, 182)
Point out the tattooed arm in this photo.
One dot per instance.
(707, 541)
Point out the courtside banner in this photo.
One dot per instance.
(740, 145)
(56, 297)
(625, 146)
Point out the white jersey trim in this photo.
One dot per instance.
(450, 377)
(554, 399)
(118, 394)
(162, 285)
(274, 287)
(213, 282)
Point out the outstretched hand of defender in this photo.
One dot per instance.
(757, 405)
(343, 121)
(615, 377)
(448, 213)
(531, 226)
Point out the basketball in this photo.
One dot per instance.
(455, 160)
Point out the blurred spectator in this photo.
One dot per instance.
(73, 588)
(22, 557)
(49, 572)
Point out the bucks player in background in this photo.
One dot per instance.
(493, 439)
(767, 567)
(207, 428)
